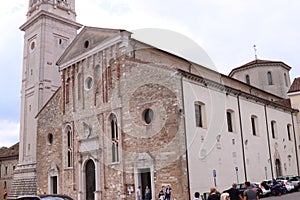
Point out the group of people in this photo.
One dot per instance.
(164, 193)
(231, 194)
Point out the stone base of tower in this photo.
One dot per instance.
(24, 181)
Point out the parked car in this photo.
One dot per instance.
(241, 187)
(289, 186)
(266, 190)
(294, 180)
(44, 197)
(277, 189)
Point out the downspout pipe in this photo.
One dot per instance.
(295, 140)
(269, 145)
(242, 137)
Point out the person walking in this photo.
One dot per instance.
(234, 193)
(147, 193)
(138, 193)
(249, 193)
(168, 193)
(213, 195)
(197, 196)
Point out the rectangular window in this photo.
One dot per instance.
(289, 132)
(273, 129)
(54, 184)
(6, 170)
(253, 125)
(198, 115)
(229, 121)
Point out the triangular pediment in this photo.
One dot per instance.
(86, 40)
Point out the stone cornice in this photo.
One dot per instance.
(233, 91)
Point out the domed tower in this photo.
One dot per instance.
(270, 76)
(49, 29)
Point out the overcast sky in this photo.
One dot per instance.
(225, 29)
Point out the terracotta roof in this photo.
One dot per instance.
(11, 151)
(258, 62)
(284, 102)
(295, 87)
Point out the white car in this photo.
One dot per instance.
(289, 186)
(265, 192)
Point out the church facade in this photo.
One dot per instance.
(127, 114)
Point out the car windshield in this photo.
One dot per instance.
(54, 198)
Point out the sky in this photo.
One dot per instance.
(226, 30)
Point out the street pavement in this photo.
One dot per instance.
(288, 196)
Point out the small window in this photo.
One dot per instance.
(5, 185)
(86, 44)
(32, 45)
(270, 80)
(289, 132)
(254, 125)
(273, 129)
(89, 83)
(199, 114)
(248, 79)
(6, 170)
(50, 138)
(229, 121)
(285, 79)
(148, 115)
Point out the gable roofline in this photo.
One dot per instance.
(257, 63)
(84, 30)
(174, 55)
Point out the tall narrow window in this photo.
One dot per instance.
(288, 127)
(6, 170)
(254, 125)
(285, 80)
(79, 86)
(273, 129)
(229, 121)
(248, 79)
(68, 85)
(53, 184)
(270, 81)
(114, 139)
(199, 114)
(69, 146)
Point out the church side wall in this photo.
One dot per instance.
(212, 148)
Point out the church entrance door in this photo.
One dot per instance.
(145, 177)
(90, 183)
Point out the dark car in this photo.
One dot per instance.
(44, 197)
(241, 187)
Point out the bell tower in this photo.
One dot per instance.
(49, 29)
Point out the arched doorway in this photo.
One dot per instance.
(90, 183)
(278, 168)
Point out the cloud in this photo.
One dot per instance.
(9, 133)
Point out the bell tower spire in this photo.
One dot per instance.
(49, 29)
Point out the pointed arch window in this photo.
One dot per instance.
(270, 80)
(114, 139)
(69, 146)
